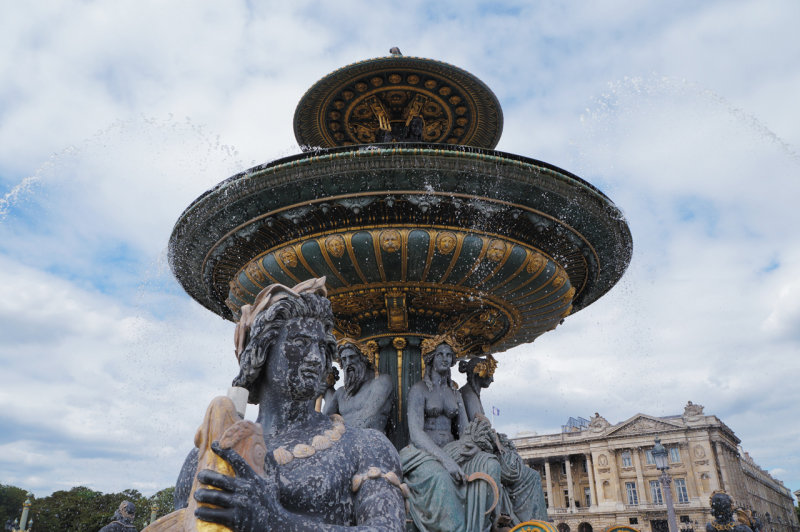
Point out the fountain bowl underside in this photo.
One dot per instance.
(413, 239)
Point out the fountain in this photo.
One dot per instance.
(418, 226)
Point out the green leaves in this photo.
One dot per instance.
(81, 508)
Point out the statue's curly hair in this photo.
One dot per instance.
(266, 328)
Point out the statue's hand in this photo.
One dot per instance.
(247, 502)
(454, 469)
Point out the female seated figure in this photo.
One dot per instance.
(480, 374)
(449, 466)
(317, 474)
(522, 498)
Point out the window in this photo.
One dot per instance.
(630, 490)
(546, 503)
(648, 455)
(680, 490)
(626, 459)
(563, 468)
(633, 520)
(685, 519)
(674, 454)
(585, 470)
(587, 496)
(566, 497)
(655, 492)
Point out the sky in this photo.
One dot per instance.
(114, 116)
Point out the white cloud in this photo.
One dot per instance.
(684, 115)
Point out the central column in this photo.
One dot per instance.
(400, 358)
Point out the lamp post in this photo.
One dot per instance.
(660, 456)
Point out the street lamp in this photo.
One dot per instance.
(660, 457)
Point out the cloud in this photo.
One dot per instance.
(113, 121)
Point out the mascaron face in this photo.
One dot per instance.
(300, 358)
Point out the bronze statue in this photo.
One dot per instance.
(722, 510)
(453, 483)
(317, 474)
(521, 496)
(365, 400)
(480, 374)
(123, 518)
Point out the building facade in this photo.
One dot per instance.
(600, 475)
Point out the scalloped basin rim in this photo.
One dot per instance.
(193, 238)
(321, 154)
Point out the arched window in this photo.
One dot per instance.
(563, 527)
(584, 527)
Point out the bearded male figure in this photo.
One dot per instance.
(315, 474)
(366, 397)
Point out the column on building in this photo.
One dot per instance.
(742, 493)
(548, 483)
(637, 464)
(590, 472)
(723, 468)
(570, 491)
(613, 458)
(694, 490)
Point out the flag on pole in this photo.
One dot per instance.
(495, 411)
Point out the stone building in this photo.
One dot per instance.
(596, 474)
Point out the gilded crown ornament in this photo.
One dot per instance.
(429, 344)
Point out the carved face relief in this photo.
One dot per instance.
(390, 240)
(602, 460)
(496, 251)
(445, 243)
(255, 273)
(535, 264)
(299, 359)
(288, 257)
(335, 245)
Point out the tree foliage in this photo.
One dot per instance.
(11, 501)
(81, 508)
